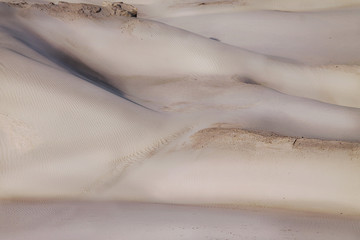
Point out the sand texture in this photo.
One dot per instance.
(180, 119)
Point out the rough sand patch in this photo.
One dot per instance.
(75, 10)
(235, 138)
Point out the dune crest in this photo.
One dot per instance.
(179, 120)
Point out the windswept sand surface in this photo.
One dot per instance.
(180, 120)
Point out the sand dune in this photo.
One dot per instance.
(96, 104)
(177, 55)
(332, 38)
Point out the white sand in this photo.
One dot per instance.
(180, 53)
(111, 108)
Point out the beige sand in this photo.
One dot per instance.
(97, 105)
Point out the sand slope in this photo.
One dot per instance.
(111, 108)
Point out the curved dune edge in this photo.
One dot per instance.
(226, 136)
(127, 127)
(278, 33)
(175, 55)
(78, 158)
(230, 167)
(157, 9)
(96, 46)
(298, 174)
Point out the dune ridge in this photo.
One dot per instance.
(111, 121)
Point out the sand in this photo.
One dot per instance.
(237, 112)
(111, 220)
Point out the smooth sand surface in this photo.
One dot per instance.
(178, 107)
(112, 221)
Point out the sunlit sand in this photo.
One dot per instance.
(120, 121)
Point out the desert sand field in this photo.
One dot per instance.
(180, 119)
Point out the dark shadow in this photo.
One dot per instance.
(249, 81)
(215, 39)
(246, 80)
(70, 63)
